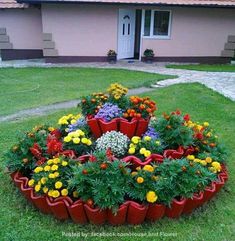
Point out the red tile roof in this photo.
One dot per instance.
(12, 4)
(215, 3)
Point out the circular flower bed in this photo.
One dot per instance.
(118, 163)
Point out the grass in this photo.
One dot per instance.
(44, 86)
(214, 221)
(204, 67)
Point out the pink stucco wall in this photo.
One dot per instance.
(195, 32)
(81, 30)
(24, 27)
(91, 30)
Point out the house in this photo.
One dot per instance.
(84, 30)
(20, 31)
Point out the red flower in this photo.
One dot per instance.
(56, 133)
(92, 158)
(187, 117)
(41, 161)
(54, 146)
(109, 154)
(178, 112)
(36, 150)
(199, 136)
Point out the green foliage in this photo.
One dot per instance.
(102, 180)
(19, 157)
(173, 132)
(181, 178)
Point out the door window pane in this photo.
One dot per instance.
(147, 22)
(161, 23)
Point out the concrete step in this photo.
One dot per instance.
(229, 46)
(231, 38)
(227, 53)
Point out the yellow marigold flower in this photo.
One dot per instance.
(138, 168)
(50, 193)
(212, 169)
(206, 124)
(155, 178)
(75, 194)
(84, 140)
(76, 140)
(55, 194)
(134, 174)
(147, 138)
(89, 142)
(131, 150)
(132, 145)
(80, 132)
(199, 127)
(208, 134)
(73, 121)
(51, 175)
(54, 167)
(43, 180)
(37, 188)
(67, 139)
(147, 153)
(197, 160)
(47, 168)
(140, 180)
(142, 151)
(148, 168)
(45, 189)
(64, 163)
(56, 160)
(56, 174)
(190, 157)
(64, 192)
(208, 159)
(31, 182)
(216, 165)
(135, 139)
(63, 121)
(151, 197)
(51, 128)
(203, 163)
(58, 185)
(50, 161)
(38, 169)
(157, 143)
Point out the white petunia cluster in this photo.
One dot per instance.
(116, 141)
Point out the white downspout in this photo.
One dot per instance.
(141, 33)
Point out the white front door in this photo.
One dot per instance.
(126, 33)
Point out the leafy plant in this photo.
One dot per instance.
(149, 53)
(111, 52)
(101, 182)
(173, 131)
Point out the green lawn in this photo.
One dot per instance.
(204, 67)
(214, 221)
(22, 88)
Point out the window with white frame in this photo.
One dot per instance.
(157, 23)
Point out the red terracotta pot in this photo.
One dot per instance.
(94, 126)
(84, 158)
(176, 208)
(95, 215)
(155, 212)
(26, 191)
(224, 175)
(142, 126)
(193, 202)
(120, 217)
(59, 207)
(40, 202)
(16, 177)
(155, 158)
(136, 213)
(219, 183)
(77, 212)
(209, 192)
(108, 126)
(128, 128)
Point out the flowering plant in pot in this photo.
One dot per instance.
(112, 56)
(148, 55)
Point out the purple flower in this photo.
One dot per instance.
(152, 133)
(81, 122)
(108, 112)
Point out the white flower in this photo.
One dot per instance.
(116, 141)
